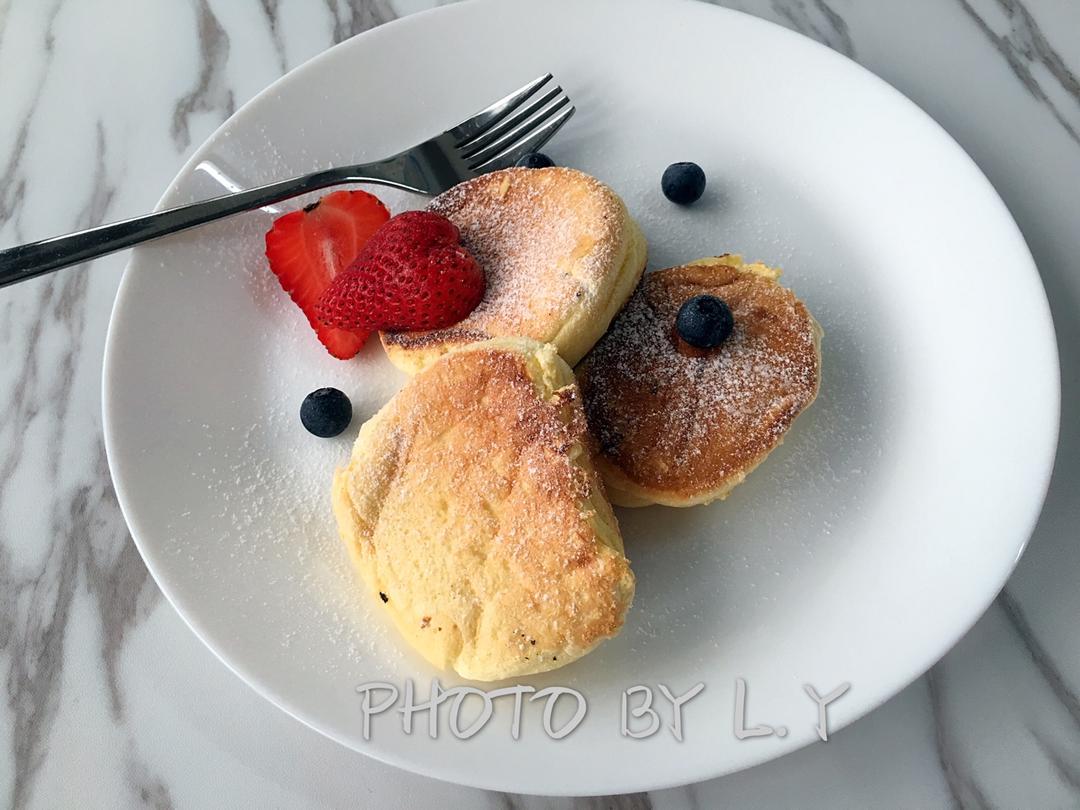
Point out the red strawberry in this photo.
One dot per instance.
(308, 248)
(412, 274)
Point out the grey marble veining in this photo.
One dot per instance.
(963, 786)
(1024, 46)
(110, 701)
(352, 17)
(211, 92)
(818, 20)
(1042, 659)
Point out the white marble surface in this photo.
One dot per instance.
(112, 702)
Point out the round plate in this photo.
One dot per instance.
(859, 553)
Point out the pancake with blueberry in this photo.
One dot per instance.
(472, 510)
(697, 381)
(560, 254)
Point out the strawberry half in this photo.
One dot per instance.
(413, 274)
(307, 249)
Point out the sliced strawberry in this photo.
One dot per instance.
(414, 274)
(307, 248)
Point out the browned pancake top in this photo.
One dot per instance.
(686, 425)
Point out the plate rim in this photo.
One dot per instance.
(428, 767)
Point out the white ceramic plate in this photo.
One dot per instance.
(859, 553)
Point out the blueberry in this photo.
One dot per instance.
(326, 412)
(535, 160)
(683, 183)
(704, 321)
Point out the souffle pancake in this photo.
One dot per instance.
(561, 256)
(679, 424)
(473, 512)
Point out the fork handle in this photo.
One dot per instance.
(37, 258)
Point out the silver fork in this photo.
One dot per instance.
(495, 138)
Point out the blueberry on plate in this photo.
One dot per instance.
(326, 412)
(683, 183)
(535, 160)
(704, 321)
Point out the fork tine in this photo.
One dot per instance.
(536, 139)
(519, 134)
(508, 124)
(532, 143)
(491, 115)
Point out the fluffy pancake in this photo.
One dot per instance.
(473, 512)
(560, 253)
(681, 426)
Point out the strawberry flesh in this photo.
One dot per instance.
(307, 249)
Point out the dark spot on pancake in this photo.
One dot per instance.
(610, 440)
(384, 597)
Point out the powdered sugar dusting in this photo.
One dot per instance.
(546, 238)
(686, 423)
(276, 531)
(253, 520)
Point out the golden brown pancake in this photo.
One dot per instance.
(682, 426)
(472, 510)
(560, 253)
